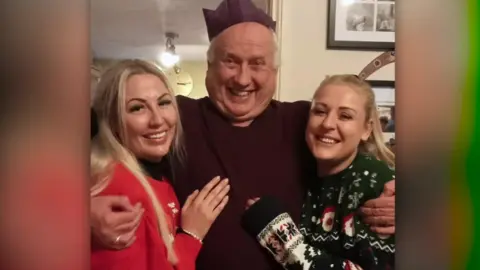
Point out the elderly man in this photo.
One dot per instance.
(238, 132)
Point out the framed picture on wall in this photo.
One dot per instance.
(361, 24)
(385, 99)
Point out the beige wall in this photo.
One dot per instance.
(195, 69)
(103, 63)
(198, 71)
(305, 59)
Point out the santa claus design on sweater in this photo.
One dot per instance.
(328, 218)
(348, 226)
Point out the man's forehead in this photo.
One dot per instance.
(247, 50)
(247, 31)
(253, 38)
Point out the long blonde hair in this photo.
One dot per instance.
(375, 144)
(107, 147)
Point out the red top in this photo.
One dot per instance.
(148, 252)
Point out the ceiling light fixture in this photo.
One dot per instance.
(169, 58)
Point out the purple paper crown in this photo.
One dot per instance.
(231, 12)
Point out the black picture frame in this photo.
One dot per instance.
(381, 83)
(332, 43)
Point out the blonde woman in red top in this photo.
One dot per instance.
(139, 124)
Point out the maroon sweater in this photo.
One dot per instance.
(269, 157)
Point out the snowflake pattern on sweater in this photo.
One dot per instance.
(330, 221)
(331, 235)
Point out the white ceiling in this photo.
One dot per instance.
(136, 28)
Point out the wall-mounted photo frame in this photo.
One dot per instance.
(361, 25)
(384, 92)
(385, 98)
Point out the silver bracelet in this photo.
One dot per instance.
(191, 234)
